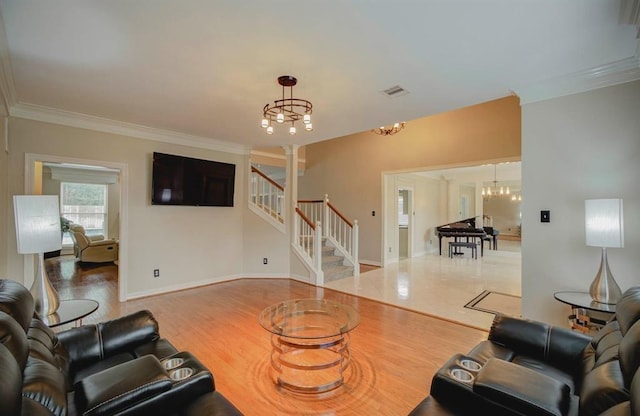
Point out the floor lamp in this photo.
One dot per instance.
(37, 232)
(604, 226)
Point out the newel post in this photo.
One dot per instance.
(317, 246)
(355, 248)
(325, 213)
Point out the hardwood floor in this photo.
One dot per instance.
(395, 352)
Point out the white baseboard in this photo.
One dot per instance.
(220, 279)
(184, 286)
(370, 262)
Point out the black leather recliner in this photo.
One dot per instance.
(119, 367)
(531, 368)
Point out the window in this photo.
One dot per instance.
(84, 204)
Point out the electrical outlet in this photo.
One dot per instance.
(156, 272)
(265, 260)
(389, 249)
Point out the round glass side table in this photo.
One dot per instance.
(586, 314)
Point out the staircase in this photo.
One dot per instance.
(323, 238)
(333, 264)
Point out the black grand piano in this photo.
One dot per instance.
(467, 229)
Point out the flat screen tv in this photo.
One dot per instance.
(179, 180)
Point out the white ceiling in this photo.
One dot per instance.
(204, 69)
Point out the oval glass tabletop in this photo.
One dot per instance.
(70, 310)
(309, 318)
(583, 300)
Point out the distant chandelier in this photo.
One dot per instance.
(494, 191)
(384, 131)
(287, 110)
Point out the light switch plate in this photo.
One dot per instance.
(545, 216)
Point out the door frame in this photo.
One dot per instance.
(410, 225)
(123, 235)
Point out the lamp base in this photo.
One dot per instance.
(604, 288)
(44, 294)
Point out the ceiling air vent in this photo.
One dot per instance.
(395, 91)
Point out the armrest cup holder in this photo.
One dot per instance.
(497, 385)
(181, 373)
(453, 383)
(171, 363)
(144, 385)
(462, 375)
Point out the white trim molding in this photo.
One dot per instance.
(618, 72)
(84, 121)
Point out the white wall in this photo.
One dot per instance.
(575, 148)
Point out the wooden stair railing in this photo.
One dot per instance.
(267, 195)
(308, 242)
(312, 220)
(342, 233)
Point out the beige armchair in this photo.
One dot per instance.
(94, 248)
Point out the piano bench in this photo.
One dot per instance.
(457, 244)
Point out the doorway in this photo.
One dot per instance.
(404, 220)
(439, 197)
(33, 172)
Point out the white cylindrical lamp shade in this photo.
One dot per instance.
(37, 223)
(604, 222)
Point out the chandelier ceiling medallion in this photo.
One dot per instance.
(287, 110)
(384, 131)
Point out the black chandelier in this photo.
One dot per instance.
(287, 110)
(384, 131)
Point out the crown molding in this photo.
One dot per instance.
(618, 72)
(83, 121)
(273, 155)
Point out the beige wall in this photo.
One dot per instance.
(428, 212)
(574, 148)
(261, 239)
(5, 204)
(505, 214)
(350, 168)
(189, 245)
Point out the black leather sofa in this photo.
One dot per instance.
(531, 368)
(119, 367)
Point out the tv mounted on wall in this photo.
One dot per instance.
(179, 180)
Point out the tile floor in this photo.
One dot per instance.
(441, 286)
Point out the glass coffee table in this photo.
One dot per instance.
(310, 343)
